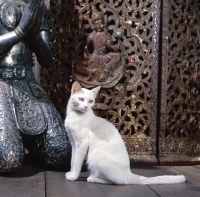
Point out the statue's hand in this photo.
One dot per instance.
(30, 19)
(36, 28)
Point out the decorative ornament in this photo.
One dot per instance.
(134, 58)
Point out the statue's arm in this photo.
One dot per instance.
(86, 51)
(110, 44)
(41, 42)
(41, 49)
(7, 41)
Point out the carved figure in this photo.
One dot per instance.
(99, 67)
(27, 117)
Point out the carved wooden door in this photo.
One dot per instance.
(179, 138)
(153, 102)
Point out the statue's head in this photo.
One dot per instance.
(10, 13)
(97, 19)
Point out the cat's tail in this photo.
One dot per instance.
(166, 179)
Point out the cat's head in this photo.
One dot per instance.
(82, 99)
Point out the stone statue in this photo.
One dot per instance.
(99, 67)
(27, 117)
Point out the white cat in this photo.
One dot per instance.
(99, 141)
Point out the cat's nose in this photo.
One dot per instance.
(85, 107)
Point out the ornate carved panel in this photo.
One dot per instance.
(131, 103)
(179, 123)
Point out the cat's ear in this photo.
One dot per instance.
(95, 91)
(75, 87)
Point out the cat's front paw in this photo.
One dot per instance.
(71, 176)
(90, 179)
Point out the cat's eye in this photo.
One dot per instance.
(90, 101)
(81, 99)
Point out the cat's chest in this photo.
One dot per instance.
(75, 122)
